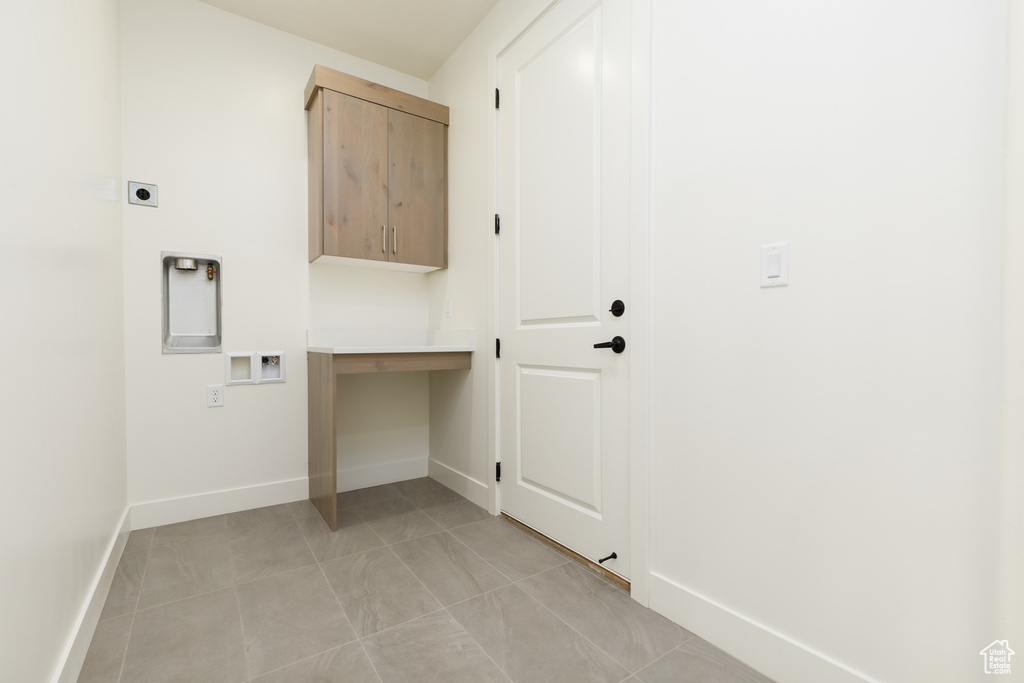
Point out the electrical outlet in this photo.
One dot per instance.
(142, 194)
(214, 395)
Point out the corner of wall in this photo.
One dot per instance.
(70, 668)
(1010, 597)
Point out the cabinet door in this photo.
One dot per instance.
(418, 189)
(355, 190)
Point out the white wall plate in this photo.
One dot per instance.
(775, 264)
(142, 194)
(241, 367)
(271, 366)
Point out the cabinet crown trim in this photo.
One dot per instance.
(323, 77)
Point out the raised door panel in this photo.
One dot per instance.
(355, 194)
(559, 435)
(418, 190)
(558, 227)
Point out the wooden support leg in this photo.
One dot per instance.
(323, 441)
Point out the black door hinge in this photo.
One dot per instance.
(497, 471)
(497, 224)
(497, 348)
(497, 99)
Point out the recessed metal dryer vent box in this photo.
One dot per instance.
(191, 302)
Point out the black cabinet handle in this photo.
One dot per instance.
(617, 344)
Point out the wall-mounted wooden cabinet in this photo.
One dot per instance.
(378, 175)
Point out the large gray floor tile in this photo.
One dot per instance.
(123, 597)
(183, 531)
(632, 634)
(373, 494)
(529, 643)
(511, 551)
(448, 508)
(302, 508)
(413, 486)
(449, 570)
(522, 627)
(397, 520)
(195, 639)
(180, 569)
(106, 651)
(378, 591)
(353, 536)
(268, 550)
(345, 664)
(433, 648)
(140, 539)
(241, 522)
(698, 661)
(288, 617)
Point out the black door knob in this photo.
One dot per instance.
(617, 344)
(618, 308)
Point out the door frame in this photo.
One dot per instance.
(640, 278)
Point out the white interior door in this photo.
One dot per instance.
(563, 185)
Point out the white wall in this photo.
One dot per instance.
(383, 423)
(213, 115)
(460, 447)
(62, 414)
(825, 456)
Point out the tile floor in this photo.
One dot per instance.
(418, 584)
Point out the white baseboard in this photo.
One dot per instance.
(160, 512)
(773, 654)
(466, 486)
(386, 473)
(85, 627)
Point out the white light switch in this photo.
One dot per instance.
(775, 264)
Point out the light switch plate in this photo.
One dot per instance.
(775, 264)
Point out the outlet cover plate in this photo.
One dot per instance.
(142, 194)
(214, 395)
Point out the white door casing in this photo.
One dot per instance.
(563, 146)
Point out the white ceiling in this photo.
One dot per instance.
(411, 36)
